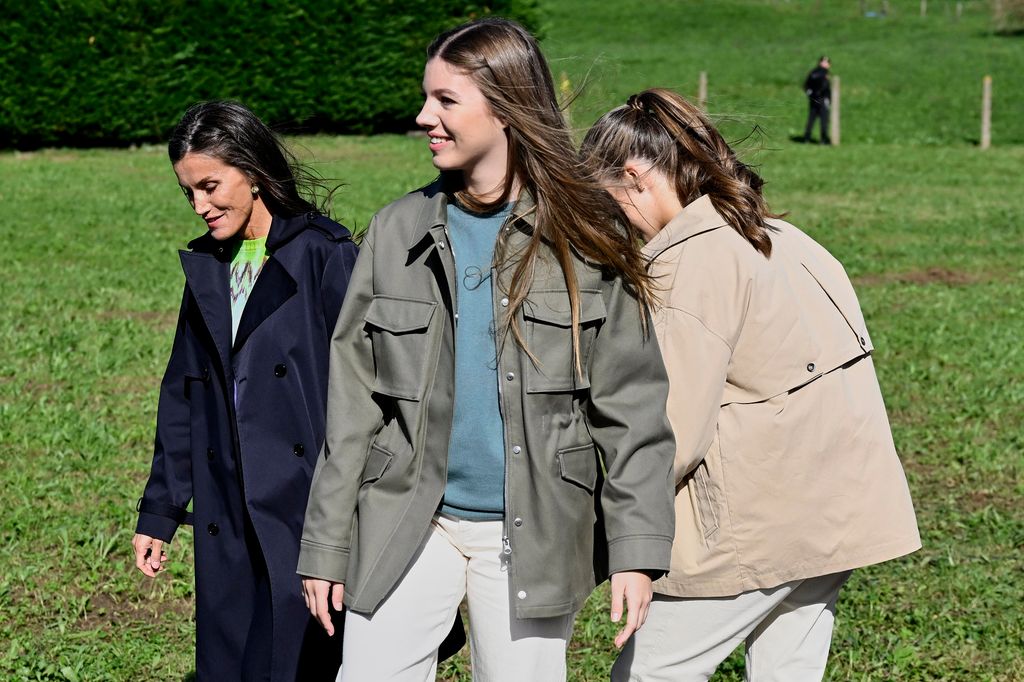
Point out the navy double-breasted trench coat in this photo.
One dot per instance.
(239, 427)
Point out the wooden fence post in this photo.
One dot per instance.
(834, 113)
(702, 90)
(986, 112)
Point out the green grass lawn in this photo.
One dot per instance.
(929, 227)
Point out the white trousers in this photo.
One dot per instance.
(399, 641)
(787, 631)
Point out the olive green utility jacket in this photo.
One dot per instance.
(588, 466)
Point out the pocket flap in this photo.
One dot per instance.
(377, 462)
(579, 465)
(399, 315)
(198, 374)
(552, 307)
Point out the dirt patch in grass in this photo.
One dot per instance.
(35, 389)
(106, 612)
(934, 275)
(158, 319)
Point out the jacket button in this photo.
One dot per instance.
(209, 454)
(518, 522)
(298, 450)
(280, 371)
(516, 449)
(810, 366)
(521, 594)
(440, 245)
(863, 341)
(212, 529)
(206, 374)
(504, 302)
(510, 376)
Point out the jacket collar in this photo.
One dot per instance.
(697, 217)
(282, 230)
(434, 211)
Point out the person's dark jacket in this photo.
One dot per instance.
(817, 87)
(249, 452)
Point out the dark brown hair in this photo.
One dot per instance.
(572, 212)
(231, 132)
(676, 137)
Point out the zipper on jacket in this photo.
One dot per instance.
(506, 544)
(455, 288)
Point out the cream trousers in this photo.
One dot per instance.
(787, 631)
(399, 641)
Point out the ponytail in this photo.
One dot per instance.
(662, 128)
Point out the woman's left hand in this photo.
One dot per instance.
(635, 588)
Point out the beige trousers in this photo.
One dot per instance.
(787, 631)
(399, 641)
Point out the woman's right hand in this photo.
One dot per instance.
(149, 554)
(317, 592)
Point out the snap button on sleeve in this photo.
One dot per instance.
(510, 376)
(516, 449)
(212, 529)
(518, 522)
(504, 302)
(280, 371)
(298, 450)
(521, 594)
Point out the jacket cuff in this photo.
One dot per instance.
(649, 553)
(156, 526)
(322, 561)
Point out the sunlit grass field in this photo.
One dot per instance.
(929, 227)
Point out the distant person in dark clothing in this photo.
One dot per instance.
(819, 96)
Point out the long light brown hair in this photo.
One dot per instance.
(572, 211)
(676, 137)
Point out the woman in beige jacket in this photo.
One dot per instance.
(786, 473)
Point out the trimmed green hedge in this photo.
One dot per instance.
(112, 72)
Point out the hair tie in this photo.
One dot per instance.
(636, 102)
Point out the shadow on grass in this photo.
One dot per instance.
(189, 677)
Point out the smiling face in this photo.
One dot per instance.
(222, 196)
(465, 135)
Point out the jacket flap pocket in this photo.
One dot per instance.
(197, 373)
(552, 307)
(399, 315)
(377, 463)
(579, 465)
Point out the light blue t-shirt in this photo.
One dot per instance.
(476, 453)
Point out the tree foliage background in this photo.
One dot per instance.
(115, 72)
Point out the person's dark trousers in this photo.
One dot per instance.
(818, 110)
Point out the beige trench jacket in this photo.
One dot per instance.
(785, 466)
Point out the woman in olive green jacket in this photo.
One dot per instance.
(496, 405)
(785, 470)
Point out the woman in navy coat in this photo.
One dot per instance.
(241, 413)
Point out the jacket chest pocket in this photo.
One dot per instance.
(548, 323)
(398, 332)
